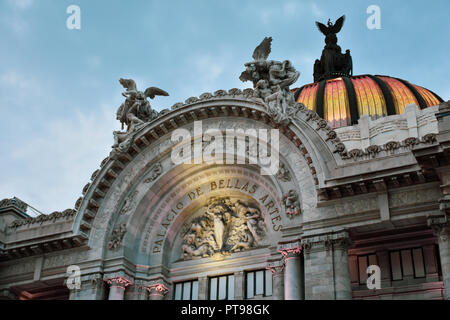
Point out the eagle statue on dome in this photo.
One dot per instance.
(331, 28)
(333, 63)
(271, 81)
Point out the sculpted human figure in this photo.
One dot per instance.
(225, 227)
(332, 60)
(271, 81)
(134, 111)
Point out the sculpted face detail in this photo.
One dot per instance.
(225, 227)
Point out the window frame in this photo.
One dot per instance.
(182, 289)
(411, 251)
(265, 272)
(218, 286)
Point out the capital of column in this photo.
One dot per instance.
(290, 249)
(440, 226)
(118, 281)
(276, 267)
(158, 289)
(338, 240)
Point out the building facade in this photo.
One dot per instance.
(362, 180)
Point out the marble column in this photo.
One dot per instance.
(239, 293)
(441, 228)
(293, 271)
(157, 291)
(342, 281)
(277, 270)
(203, 288)
(327, 266)
(117, 286)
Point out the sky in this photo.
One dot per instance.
(59, 88)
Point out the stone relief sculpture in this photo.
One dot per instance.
(117, 236)
(283, 173)
(291, 204)
(271, 81)
(134, 112)
(225, 227)
(155, 173)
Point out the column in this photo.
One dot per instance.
(293, 270)
(327, 272)
(277, 270)
(342, 281)
(441, 228)
(239, 286)
(203, 288)
(117, 286)
(157, 291)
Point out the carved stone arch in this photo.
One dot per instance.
(96, 209)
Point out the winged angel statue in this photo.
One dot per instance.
(271, 81)
(134, 112)
(332, 62)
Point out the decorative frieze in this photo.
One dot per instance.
(14, 202)
(44, 218)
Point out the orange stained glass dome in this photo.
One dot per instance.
(341, 101)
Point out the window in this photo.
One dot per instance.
(407, 263)
(258, 283)
(363, 262)
(187, 290)
(221, 288)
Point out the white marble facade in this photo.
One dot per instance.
(127, 231)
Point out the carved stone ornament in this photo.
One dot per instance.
(117, 236)
(225, 227)
(271, 81)
(291, 252)
(291, 204)
(155, 173)
(283, 173)
(118, 282)
(158, 288)
(128, 202)
(14, 202)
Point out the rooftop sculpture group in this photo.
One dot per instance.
(271, 81)
(134, 112)
(333, 62)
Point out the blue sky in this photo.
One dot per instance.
(59, 88)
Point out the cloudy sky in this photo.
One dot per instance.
(59, 88)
